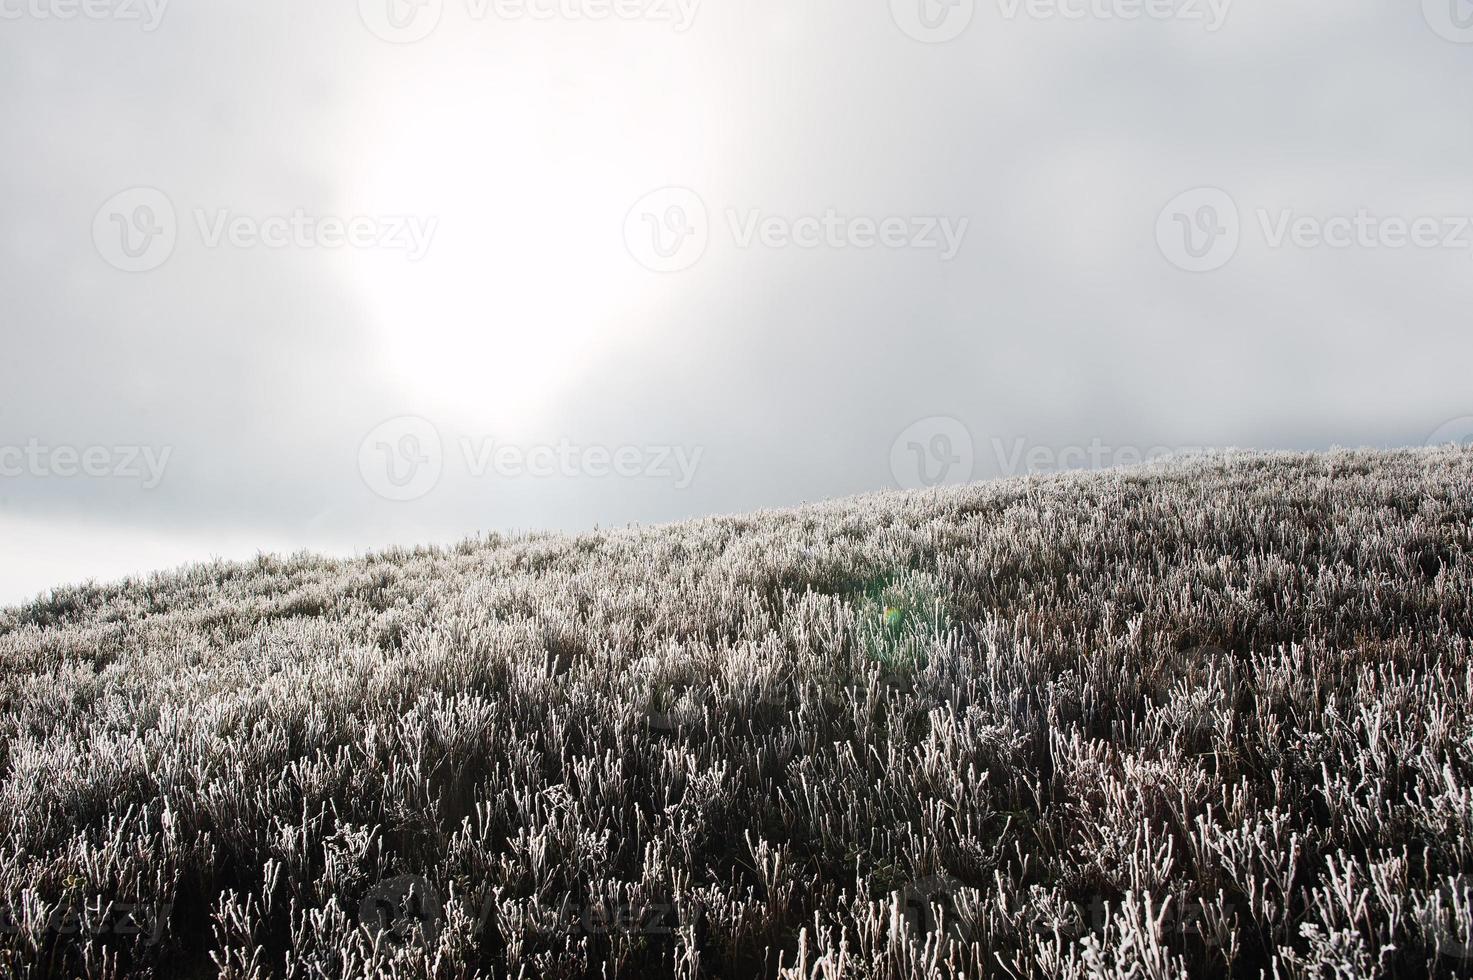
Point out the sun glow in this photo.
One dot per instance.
(527, 276)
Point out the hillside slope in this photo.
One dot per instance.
(1213, 717)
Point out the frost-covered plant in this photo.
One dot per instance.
(1205, 718)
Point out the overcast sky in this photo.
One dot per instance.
(279, 275)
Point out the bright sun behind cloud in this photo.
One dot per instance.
(527, 276)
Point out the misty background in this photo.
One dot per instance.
(341, 275)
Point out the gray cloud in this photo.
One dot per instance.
(529, 321)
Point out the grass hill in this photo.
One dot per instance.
(1204, 718)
